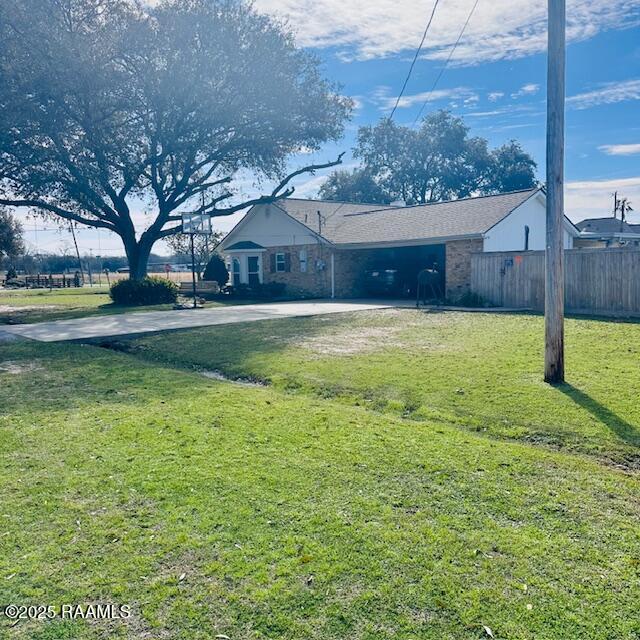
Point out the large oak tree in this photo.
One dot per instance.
(109, 106)
(437, 161)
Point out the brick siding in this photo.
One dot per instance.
(315, 282)
(350, 268)
(458, 266)
(349, 265)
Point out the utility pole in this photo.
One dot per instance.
(75, 244)
(554, 255)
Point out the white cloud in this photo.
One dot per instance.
(487, 114)
(594, 198)
(526, 90)
(609, 93)
(511, 111)
(383, 97)
(499, 29)
(620, 149)
(494, 96)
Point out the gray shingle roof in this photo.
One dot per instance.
(605, 225)
(344, 223)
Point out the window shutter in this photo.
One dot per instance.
(287, 262)
(272, 259)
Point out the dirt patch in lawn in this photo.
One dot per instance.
(15, 368)
(351, 341)
(388, 328)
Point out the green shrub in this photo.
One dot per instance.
(146, 291)
(216, 271)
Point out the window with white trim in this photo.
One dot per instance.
(280, 263)
(235, 273)
(303, 260)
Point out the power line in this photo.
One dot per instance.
(415, 59)
(446, 64)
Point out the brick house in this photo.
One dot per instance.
(323, 248)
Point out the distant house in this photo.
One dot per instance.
(607, 232)
(323, 249)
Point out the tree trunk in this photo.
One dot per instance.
(138, 257)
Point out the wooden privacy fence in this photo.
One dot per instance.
(600, 281)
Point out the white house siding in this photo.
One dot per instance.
(509, 233)
(271, 227)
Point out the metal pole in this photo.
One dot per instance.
(193, 271)
(333, 276)
(554, 255)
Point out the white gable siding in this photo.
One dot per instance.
(508, 234)
(269, 226)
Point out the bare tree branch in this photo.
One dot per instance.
(278, 193)
(64, 213)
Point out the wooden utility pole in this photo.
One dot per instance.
(75, 244)
(554, 262)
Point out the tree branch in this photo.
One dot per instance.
(63, 213)
(277, 193)
(170, 232)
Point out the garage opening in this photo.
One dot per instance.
(394, 272)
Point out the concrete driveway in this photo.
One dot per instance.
(144, 322)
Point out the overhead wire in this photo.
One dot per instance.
(415, 59)
(446, 64)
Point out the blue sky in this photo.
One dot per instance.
(495, 81)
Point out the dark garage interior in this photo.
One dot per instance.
(394, 271)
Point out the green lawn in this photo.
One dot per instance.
(479, 371)
(41, 305)
(215, 508)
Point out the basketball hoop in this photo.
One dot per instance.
(195, 224)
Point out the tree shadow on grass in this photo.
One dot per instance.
(623, 429)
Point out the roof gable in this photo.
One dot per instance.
(269, 225)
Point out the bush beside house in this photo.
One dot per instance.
(216, 271)
(149, 290)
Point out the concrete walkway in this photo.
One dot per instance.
(144, 322)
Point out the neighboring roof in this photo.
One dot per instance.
(245, 244)
(344, 223)
(606, 226)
